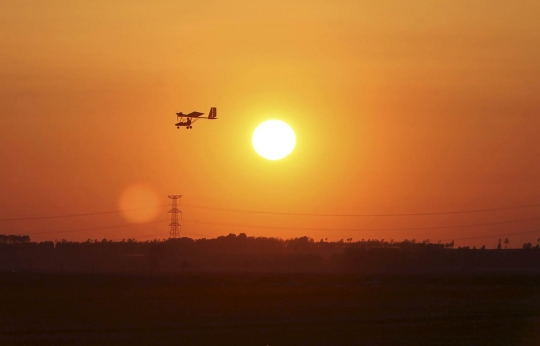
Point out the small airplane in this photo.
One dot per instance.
(187, 119)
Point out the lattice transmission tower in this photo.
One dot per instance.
(175, 225)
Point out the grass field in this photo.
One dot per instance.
(269, 309)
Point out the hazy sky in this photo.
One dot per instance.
(399, 107)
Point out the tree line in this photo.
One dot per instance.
(241, 253)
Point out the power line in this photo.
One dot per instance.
(314, 229)
(77, 215)
(365, 229)
(95, 228)
(246, 211)
(300, 228)
(356, 215)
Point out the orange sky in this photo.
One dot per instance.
(398, 107)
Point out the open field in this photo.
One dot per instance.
(269, 309)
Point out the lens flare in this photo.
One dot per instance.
(139, 203)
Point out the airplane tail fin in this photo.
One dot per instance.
(213, 113)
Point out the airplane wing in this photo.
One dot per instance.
(211, 115)
(194, 114)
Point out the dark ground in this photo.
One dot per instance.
(270, 309)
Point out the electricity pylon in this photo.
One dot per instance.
(175, 225)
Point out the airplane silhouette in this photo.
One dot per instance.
(186, 120)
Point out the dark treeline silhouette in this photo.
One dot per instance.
(14, 239)
(257, 254)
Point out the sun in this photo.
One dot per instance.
(273, 139)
